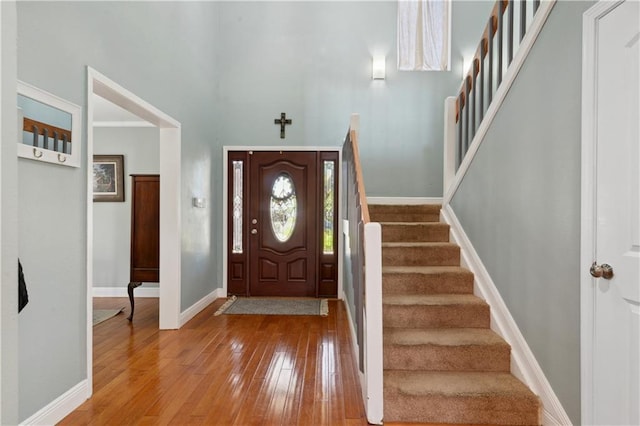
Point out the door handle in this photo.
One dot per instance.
(601, 271)
(254, 231)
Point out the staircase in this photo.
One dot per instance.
(442, 362)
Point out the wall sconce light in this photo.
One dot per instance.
(378, 68)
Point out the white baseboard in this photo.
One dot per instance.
(141, 291)
(195, 309)
(404, 200)
(61, 407)
(524, 364)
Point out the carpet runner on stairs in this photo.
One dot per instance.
(442, 362)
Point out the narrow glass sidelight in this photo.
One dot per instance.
(284, 207)
(237, 206)
(328, 207)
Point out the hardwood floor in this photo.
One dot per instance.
(224, 370)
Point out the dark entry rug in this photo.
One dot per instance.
(274, 306)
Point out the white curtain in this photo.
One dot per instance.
(423, 35)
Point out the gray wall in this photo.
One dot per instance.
(160, 52)
(225, 70)
(112, 221)
(520, 201)
(8, 220)
(51, 246)
(313, 61)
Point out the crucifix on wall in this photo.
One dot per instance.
(283, 121)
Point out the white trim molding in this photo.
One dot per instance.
(512, 72)
(197, 307)
(170, 143)
(60, 407)
(524, 364)
(404, 201)
(120, 124)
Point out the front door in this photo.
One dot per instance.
(615, 286)
(282, 236)
(282, 233)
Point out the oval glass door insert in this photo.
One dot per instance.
(284, 206)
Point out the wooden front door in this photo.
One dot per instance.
(145, 228)
(279, 244)
(282, 236)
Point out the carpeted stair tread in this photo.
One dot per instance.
(414, 231)
(432, 300)
(405, 208)
(435, 310)
(404, 217)
(458, 397)
(455, 349)
(442, 337)
(426, 280)
(420, 254)
(426, 269)
(451, 383)
(404, 213)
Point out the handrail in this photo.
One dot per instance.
(363, 259)
(354, 128)
(491, 73)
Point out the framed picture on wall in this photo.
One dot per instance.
(108, 178)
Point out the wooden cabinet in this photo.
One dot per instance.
(145, 228)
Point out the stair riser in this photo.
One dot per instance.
(448, 358)
(397, 208)
(434, 316)
(421, 256)
(414, 283)
(494, 410)
(415, 233)
(404, 217)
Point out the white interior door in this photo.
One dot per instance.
(616, 300)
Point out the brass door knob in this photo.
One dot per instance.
(601, 271)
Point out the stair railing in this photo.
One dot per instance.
(505, 43)
(363, 274)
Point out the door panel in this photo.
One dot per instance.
(616, 375)
(282, 223)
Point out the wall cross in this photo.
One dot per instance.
(283, 121)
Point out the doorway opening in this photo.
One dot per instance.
(281, 222)
(169, 143)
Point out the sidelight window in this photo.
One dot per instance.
(237, 207)
(328, 207)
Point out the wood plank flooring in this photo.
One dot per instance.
(224, 370)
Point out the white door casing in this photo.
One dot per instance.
(611, 214)
(170, 223)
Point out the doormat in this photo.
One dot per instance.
(274, 306)
(100, 315)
